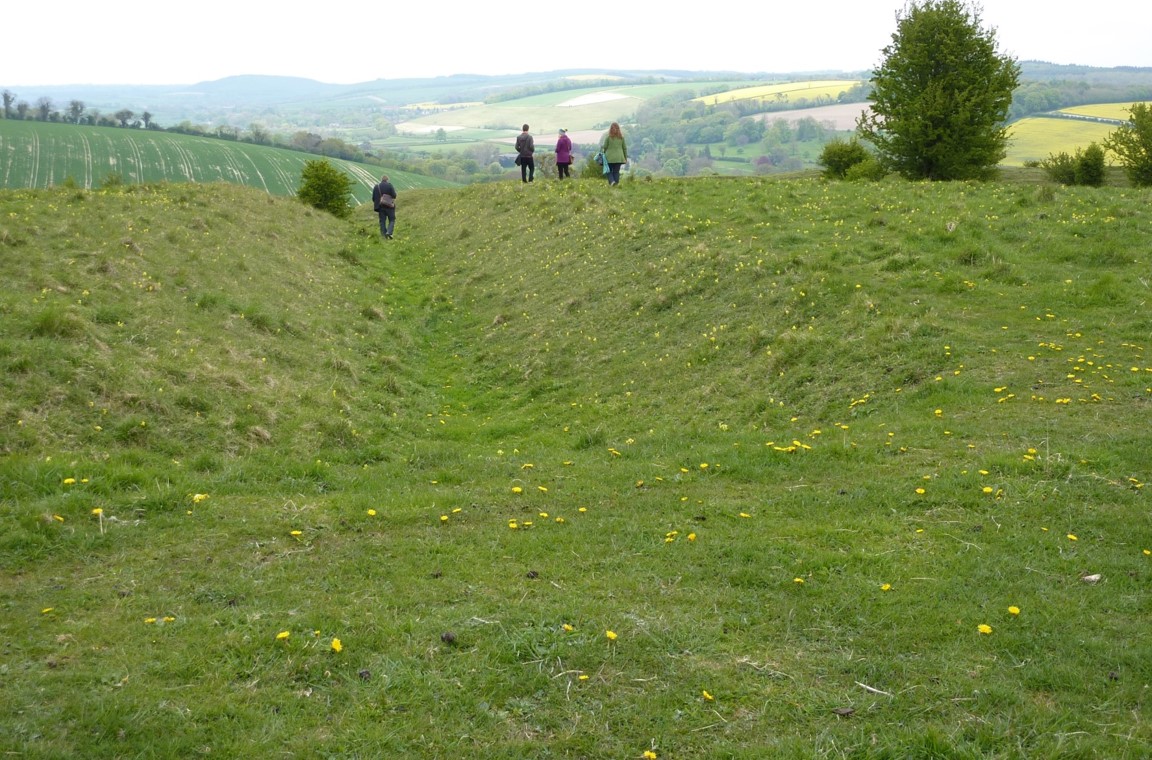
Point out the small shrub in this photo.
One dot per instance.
(1132, 144)
(1060, 167)
(1090, 166)
(1086, 167)
(867, 170)
(325, 187)
(839, 156)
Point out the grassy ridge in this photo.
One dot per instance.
(41, 155)
(790, 442)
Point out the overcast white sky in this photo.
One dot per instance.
(153, 42)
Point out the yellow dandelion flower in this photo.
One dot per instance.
(1013, 610)
(69, 481)
(443, 518)
(297, 533)
(583, 676)
(46, 610)
(745, 514)
(199, 497)
(582, 510)
(649, 755)
(98, 511)
(703, 465)
(797, 580)
(568, 627)
(542, 489)
(987, 489)
(149, 621)
(169, 619)
(1072, 537)
(1148, 552)
(691, 536)
(559, 519)
(371, 512)
(984, 628)
(337, 646)
(513, 524)
(921, 491)
(611, 635)
(57, 518)
(707, 697)
(886, 587)
(517, 489)
(543, 514)
(283, 635)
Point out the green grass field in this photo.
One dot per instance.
(41, 155)
(703, 468)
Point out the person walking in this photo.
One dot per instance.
(384, 201)
(564, 155)
(525, 147)
(615, 151)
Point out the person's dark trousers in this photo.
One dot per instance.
(527, 169)
(614, 174)
(564, 170)
(387, 221)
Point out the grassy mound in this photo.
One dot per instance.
(700, 468)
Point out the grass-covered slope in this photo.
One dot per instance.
(708, 468)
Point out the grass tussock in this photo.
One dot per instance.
(704, 468)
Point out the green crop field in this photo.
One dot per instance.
(40, 155)
(704, 468)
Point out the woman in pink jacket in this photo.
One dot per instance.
(564, 154)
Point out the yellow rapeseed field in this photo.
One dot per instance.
(788, 91)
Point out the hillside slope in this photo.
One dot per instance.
(44, 155)
(697, 468)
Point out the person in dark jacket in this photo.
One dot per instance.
(525, 147)
(384, 201)
(564, 154)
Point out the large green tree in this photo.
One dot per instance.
(1133, 144)
(941, 96)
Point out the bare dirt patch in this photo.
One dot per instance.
(840, 116)
(591, 98)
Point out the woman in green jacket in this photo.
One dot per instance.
(615, 152)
